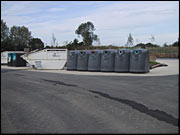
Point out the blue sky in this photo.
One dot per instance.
(113, 20)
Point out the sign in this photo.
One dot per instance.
(38, 63)
(55, 55)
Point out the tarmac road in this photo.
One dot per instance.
(40, 102)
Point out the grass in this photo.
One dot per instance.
(153, 63)
(162, 50)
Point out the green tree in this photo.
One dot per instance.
(4, 31)
(142, 45)
(165, 44)
(20, 37)
(69, 45)
(75, 43)
(36, 43)
(86, 31)
(7, 45)
(5, 41)
(175, 44)
(47, 46)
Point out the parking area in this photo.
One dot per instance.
(46, 101)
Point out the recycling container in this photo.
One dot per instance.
(122, 59)
(72, 60)
(139, 61)
(107, 60)
(4, 56)
(17, 61)
(94, 61)
(82, 61)
(47, 58)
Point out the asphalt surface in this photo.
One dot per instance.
(40, 102)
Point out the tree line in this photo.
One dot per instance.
(17, 38)
(86, 31)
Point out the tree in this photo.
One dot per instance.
(53, 43)
(165, 44)
(176, 44)
(65, 43)
(36, 43)
(75, 43)
(7, 45)
(142, 45)
(47, 46)
(86, 31)
(69, 45)
(5, 41)
(152, 39)
(4, 31)
(129, 41)
(20, 37)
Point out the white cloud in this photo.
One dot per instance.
(56, 9)
(18, 8)
(112, 22)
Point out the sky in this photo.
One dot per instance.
(113, 20)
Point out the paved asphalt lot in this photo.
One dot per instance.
(40, 102)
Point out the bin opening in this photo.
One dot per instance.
(92, 52)
(136, 52)
(120, 52)
(82, 53)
